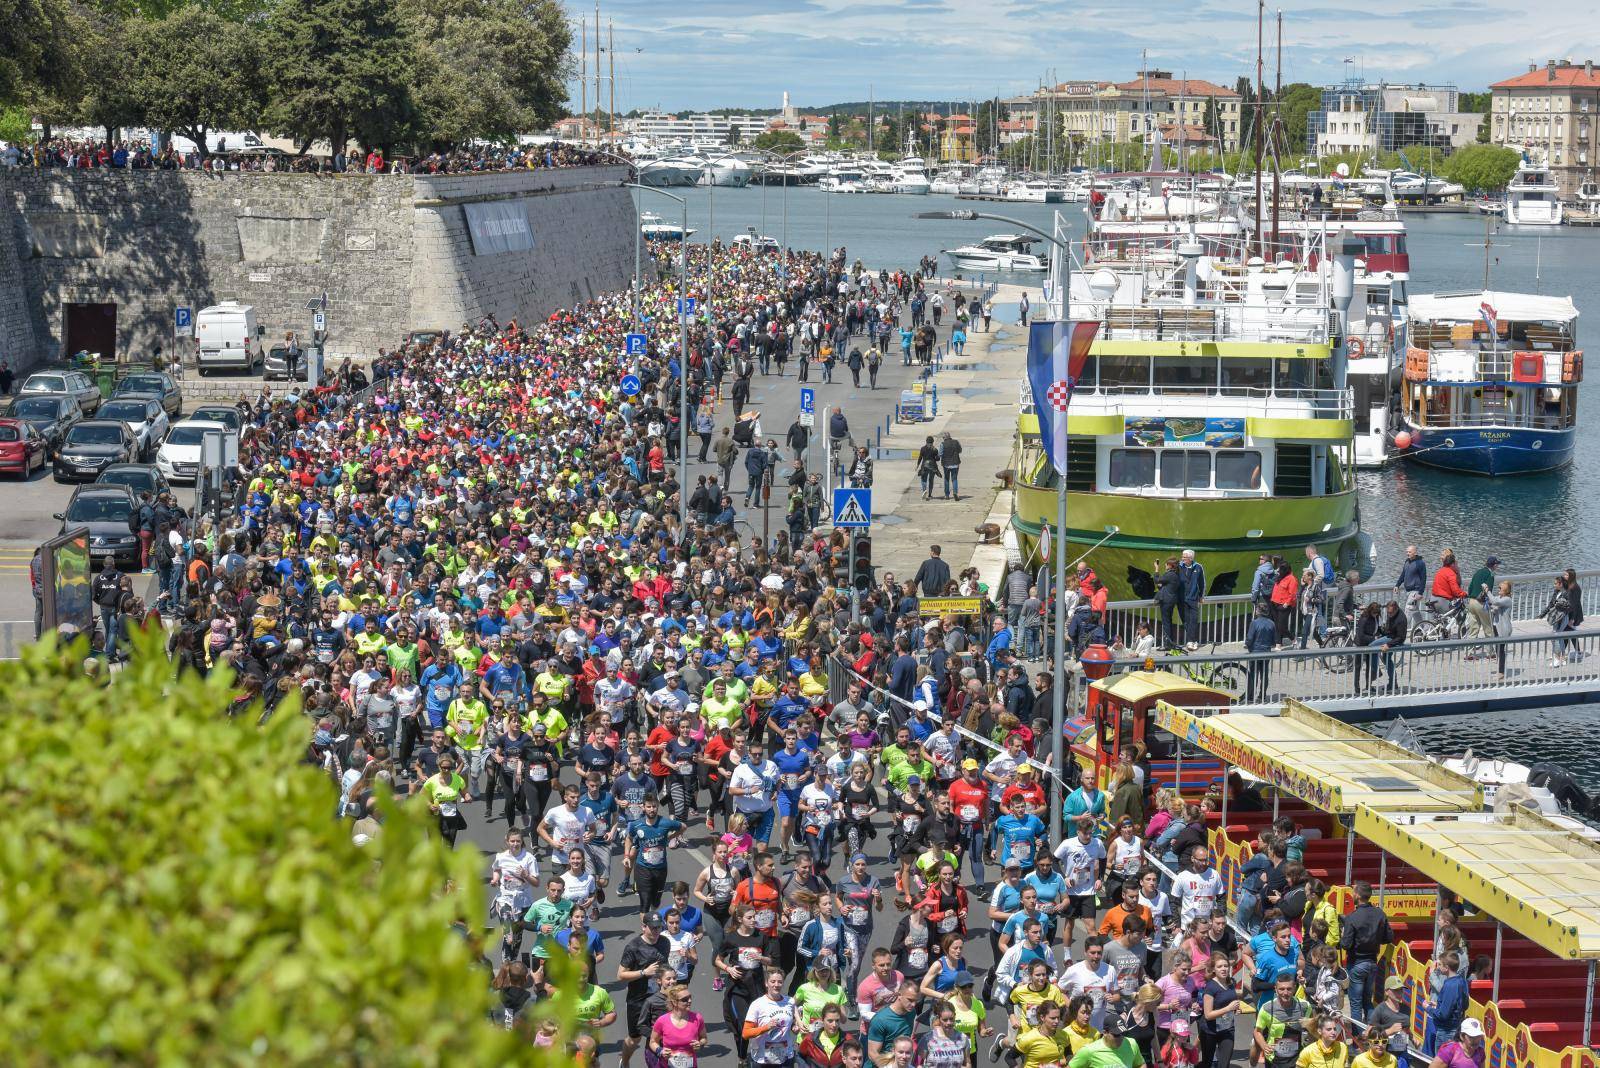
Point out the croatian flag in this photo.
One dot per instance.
(1057, 352)
(1490, 317)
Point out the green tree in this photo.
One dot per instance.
(16, 125)
(338, 69)
(1295, 105)
(835, 125)
(181, 872)
(1483, 168)
(488, 69)
(38, 41)
(214, 82)
(781, 142)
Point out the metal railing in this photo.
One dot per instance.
(1338, 678)
(1223, 620)
(1282, 403)
(1210, 321)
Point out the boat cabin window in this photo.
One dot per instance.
(1238, 469)
(1247, 374)
(1185, 469)
(1124, 372)
(1185, 372)
(1133, 468)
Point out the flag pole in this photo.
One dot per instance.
(1062, 272)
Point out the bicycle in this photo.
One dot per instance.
(1226, 675)
(1337, 638)
(1438, 626)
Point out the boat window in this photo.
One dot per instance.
(1185, 469)
(1185, 372)
(1293, 374)
(1124, 371)
(1238, 469)
(1247, 374)
(1133, 468)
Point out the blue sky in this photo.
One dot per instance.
(709, 53)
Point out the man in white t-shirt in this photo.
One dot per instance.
(770, 1024)
(1091, 976)
(613, 695)
(1083, 860)
(753, 787)
(565, 826)
(1196, 892)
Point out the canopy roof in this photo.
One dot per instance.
(1324, 762)
(1526, 871)
(1136, 686)
(1508, 307)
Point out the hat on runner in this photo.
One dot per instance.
(1013, 862)
(969, 765)
(1025, 769)
(1112, 1024)
(1471, 1028)
(914, 780)
(653, 921)
(1394, 982)
(964, 978)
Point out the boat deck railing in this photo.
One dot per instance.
(1271, 403)
(1228, 319)
(1497, 420)
(1223, 620)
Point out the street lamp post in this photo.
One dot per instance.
(638, 239)
(683, 349)
(1060, 278)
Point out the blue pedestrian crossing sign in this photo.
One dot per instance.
(685, 305)
(636, 344)
(852, 508)
(808, 399)
(630, 385)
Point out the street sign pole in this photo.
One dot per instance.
(855, 602)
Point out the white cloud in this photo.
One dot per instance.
(748, 52)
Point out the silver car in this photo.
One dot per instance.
(65, 380)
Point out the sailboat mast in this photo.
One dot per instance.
(1261, 14)
(597, 55)
(583, 74)
(611, 77)
(1277, 96)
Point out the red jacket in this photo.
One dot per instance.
(1447, 583)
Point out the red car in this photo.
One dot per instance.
(22, 449)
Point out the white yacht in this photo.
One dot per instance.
(911, 176)
(1532, 198)
(949, 179)
(991, 180)
(655, 228)
(843, 179)
(757, 241)
(1035, 191)
(669, 171)
(999, 252)
(726, 171)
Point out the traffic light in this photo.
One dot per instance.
(861, 562)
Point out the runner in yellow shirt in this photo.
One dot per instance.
(1327, 1051)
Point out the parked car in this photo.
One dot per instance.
(159, 384)
(22, 448)
(90, 446)
(140, 478)
(229, 338)
(64, 380)
(179, 456)
(226, 414)
(275, 365)
(105, 511)
(51, 414)
(144, 416)
(425, 338)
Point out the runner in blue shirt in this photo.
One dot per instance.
(648, 840)
(1051, 888)
(1020, 834)
(794, 772)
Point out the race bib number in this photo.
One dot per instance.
(441, 695)
(447, 808)
(909, 823)
(821, 817)
(969, 813)
(799, 916)
(684, 767)
(763, 918)
(917, 960)
(654, 856)
(859, 811)
(791, 782)
(949, 923)
(680, 1059)
(1021, 851)
(634, 810)
(1286, 1048)
(539, 772)
(858, 915)
(749, 957)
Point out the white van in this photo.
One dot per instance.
(229, 338)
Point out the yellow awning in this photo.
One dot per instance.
(1136, 686)
(1324, 762)
(1533, 875)
(1274, 350)
(1301, 429)
(1088, 426)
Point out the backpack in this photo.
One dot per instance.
(133, 519)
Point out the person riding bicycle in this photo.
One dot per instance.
(1346, 605)
(1446, 591)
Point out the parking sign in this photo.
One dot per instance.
(636, 344)
(808, 399)
(183, 320)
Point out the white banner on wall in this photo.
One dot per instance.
(498, 226)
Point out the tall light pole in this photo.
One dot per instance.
(638, 240)
(1060, 279)
(683, 350)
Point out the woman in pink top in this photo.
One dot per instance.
(678, 1037)
(1177, 998)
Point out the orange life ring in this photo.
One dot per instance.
(1356, 347)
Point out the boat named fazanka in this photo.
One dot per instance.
(1490, 383)
(1213, 414)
